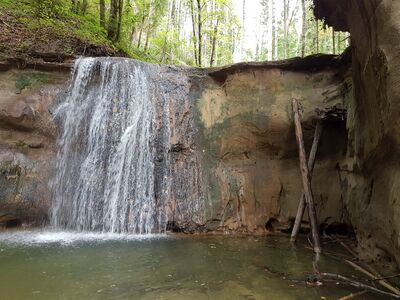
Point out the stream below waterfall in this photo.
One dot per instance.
(65, 265)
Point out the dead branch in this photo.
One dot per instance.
(305, 174)
(382, 282)
(358, 284)
(311, 163)
(352, 296)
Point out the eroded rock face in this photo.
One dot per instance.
(249, 147)
(27, 143)
(233, 125)
(371, 174)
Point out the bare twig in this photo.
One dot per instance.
(358, 284)
(369, 274)
(372, 273)
(386, 277)
(6, 24)
(352, 296)
(344, 245)
(336, 256)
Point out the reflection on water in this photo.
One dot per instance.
(46, 265)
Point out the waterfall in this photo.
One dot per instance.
(114, 168)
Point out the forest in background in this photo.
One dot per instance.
(186, 32)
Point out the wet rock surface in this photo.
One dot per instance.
(370, 175)
(233, 139)
(248, 144)
(27, 144)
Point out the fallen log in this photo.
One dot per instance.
(353, 295)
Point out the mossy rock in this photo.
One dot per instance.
(30, 79)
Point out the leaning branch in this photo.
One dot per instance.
(311, 163)
(358, 284)
(382, 282)
(305, 175)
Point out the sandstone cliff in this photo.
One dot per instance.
(27, 143)
(234, 123)
(370, 175)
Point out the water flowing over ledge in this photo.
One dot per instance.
(115, 167)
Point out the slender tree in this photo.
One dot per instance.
(102, 9)
(194, 34)
(199, 32)
(317, 35)
(213, 42)
(285, 26)
(114, 20)
(119, 22)
(83, 7)
(303, 28)
(273, 31)
(242, 50)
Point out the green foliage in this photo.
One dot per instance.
(167, 31)
(54, 19)
(49, 9)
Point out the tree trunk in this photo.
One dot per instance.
(120, 7)
(273, 40)
(102, 14)
(265, 15)
(83, 7)
(141, 32)
(146, 43)
(303, 28)
(171, 28)
(113, 21)
(305, 176)
(317, 35)
(194, 33)
(285, 26)
(170, 20)
(333, 42)
(214, 40)
(243, 29)
(199, 32)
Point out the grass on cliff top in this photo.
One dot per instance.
(28, 26)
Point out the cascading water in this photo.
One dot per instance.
(114, 166)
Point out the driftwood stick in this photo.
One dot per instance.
(382, 282)
(358, 284)
(387, 277)
(311, 163)
(351, 251)
(371, 272)
(353, 295)
(305, 175)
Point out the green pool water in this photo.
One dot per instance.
(54, 265)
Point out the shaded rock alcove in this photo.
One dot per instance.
(370, 173)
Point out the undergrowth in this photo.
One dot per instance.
(52, 22)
